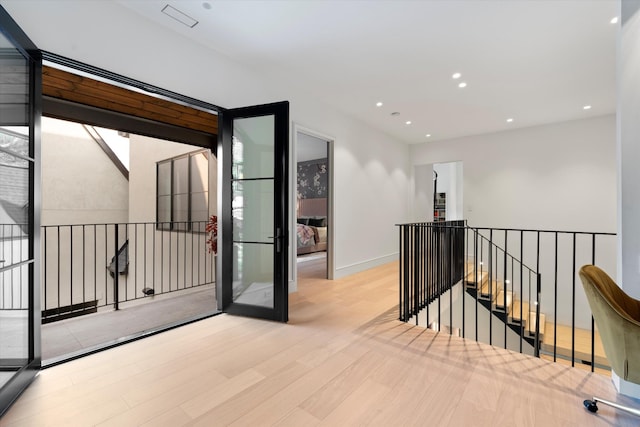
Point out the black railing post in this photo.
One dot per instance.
(522, 318)
(506, 289)
(593, 334)
(465, 270)
(405, 271)
(415, 273)
(475, 275)
(44, 266)
(490, 250)
(555, 300)
(116, 273)
(573, 305)
(452, 263)
(58, 283)
(538, 295)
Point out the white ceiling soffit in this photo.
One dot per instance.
(532, 61)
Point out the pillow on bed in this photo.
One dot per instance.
(303, 221)
(318, 222)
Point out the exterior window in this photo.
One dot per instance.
(182, 192)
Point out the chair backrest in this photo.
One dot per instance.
(617, 316)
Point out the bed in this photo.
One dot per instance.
(312, 226)
(311, 235)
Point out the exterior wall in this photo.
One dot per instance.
(80, 184)
(145, 152)
(77, 257)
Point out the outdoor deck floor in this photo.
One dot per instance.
(66, 338)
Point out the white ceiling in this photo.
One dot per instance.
(534, 61)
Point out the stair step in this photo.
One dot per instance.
(473, 278)
(484, 290)
(499, 301)
(516, 313)
(531, 324)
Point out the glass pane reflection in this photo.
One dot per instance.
(253, 274)
(252, 210)
(253, 147)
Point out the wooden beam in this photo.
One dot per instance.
(84, 90)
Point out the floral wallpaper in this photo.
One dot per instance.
(313, 179)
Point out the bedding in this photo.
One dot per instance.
(311, 238)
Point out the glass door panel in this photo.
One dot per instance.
(19, 328)
(257, 140)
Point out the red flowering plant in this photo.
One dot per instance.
(212, 232)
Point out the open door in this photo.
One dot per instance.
(254, 232)
(20, 71)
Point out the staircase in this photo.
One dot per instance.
(503, 303)
(486, 284)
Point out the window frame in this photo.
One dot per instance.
(172, 224)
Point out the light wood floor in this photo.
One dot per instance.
(344, 359)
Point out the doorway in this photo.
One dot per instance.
(438, 192)
(313, 205)
(146, 199)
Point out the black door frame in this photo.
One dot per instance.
(280, 310)
(25, 375)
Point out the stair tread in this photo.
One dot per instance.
(516, 313)
(476, 277)
(499, 301)
(495, 289)
(531, 324)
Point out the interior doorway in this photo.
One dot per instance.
(313, 205)
(438, 192)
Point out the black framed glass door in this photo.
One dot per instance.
(20, 71)
(255, 143)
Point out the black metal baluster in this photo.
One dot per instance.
(523, 325)
(555, 300)
(116, 273)
(538, 292)
(593, 334)
(573, 304)
(505, 287)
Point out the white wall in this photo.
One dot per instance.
(371, 168)
(423, 193)
(559, 176)
(628, 67)
(80, 184)
(554, 177)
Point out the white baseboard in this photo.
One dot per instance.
(625, 387)
(364, 265)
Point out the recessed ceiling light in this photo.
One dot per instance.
(181, 17)
(462, 84)
(428, 135)
(509, 120)
(614, 20)
(408, 122)
(378, 104)
(456, 75)
(587, 107)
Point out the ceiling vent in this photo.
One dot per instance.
(179, 16)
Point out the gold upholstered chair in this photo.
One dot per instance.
(617, 316)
